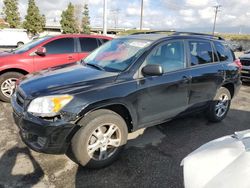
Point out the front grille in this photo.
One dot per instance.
(19, 98)
(245, 62)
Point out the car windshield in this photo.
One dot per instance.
(116, 55)
(30, 45)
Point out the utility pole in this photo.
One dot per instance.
(115, 14)
(104, 17)
(215, 16)
(141, 14)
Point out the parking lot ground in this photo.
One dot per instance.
(151, 159)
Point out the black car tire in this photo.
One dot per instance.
(212, 115)
(89, 124)
(3, 78)
(19, 44)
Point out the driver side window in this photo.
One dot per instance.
(169, 55)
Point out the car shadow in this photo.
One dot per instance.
(9, 178)
(158, 165)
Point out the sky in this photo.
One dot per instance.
(189, 15)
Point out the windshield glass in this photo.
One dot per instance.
(30, 45)
(116, 55)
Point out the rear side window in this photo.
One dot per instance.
(88, 44)
(200, 52)
(223, 52)
(60, 46)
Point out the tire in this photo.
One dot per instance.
(19, 44)
(214, 107)
(95, 124)
(13, 76)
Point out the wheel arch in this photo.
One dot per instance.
(14, 70)
(230, 87)
(120, 108)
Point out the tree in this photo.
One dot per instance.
(11, 13)
(85, 20)
(34, 21)
(68, 21)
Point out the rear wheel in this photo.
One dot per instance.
(100, 140)
(7, 85)
(19, 44)
(219, 107)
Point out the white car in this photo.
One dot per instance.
(13, 37)
(221, 163)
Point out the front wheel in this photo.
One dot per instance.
(219, 107)
(100, 140)
(7, 85)
(19, 44)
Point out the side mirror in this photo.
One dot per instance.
(152, 70)
(41, 51)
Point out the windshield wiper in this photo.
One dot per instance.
(95, 66)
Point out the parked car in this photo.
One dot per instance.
(13, 37)
(236, 47)
(221, 163)
(128, 83)
(43, 53)
(245, 61)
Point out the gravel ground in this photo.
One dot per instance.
(151, 159)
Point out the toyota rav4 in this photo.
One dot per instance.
(128, 83)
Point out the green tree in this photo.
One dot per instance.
(34, 21)
(68, 20)
(11, 13)
(85, 20)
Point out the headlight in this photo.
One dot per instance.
(49, 106)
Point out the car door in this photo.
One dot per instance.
(87, 45)
(206, 71)
(3, 38)
(58, 52)
(162, 97)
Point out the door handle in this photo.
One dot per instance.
(186, 79)
(70, 58)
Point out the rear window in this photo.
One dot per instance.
(88, 44)
(223, 51)
(200, 52)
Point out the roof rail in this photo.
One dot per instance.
(198, 34)
(152, 32)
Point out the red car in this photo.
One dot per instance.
(49, 51)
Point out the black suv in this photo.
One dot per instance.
(129, 83)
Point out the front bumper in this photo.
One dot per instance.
(245, 72)
(46, 136)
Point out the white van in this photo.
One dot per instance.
(13, 37)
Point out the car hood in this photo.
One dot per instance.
(245, 56)
(5, 53)
(67, 79)
(221, 163)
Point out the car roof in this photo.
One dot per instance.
(79, 35)
(155, 37)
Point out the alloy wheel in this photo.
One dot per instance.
(104, 141)
(222, 105)
(8, 87)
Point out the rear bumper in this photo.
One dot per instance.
(42, 135)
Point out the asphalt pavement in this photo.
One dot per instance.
(152, 157)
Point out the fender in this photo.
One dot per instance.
(102, 104)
